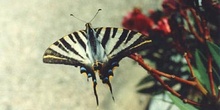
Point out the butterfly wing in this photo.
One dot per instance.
(69, 50)
(74, 49)
(119, 42)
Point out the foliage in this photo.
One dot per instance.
(185, 50)
(180, 103)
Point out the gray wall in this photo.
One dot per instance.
(29, 27)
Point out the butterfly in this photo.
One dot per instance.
(96, 51)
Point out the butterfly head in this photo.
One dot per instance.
(88, 25)
(89, 29)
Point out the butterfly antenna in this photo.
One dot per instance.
(77, 18)
(95, 15)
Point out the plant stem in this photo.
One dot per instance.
(156, 74)
(192, 30)
(211, 80)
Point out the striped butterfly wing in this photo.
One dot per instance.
(110, 46)
(73, 49)
(119, 43)
(69, 50)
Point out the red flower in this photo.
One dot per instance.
(135, 20)
(163, 25)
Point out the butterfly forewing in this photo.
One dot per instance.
(70, 50)
(117, 40)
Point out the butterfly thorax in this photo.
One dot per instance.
(97, 52)
(99, 60)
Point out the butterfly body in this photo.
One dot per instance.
(95, 50)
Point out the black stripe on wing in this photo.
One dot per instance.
(118, 41)
(130, 36)
(54, 57)
(60, 46)
(138, 45)
(106, 36)
(83, 44)
(71, 37)
(69, 47)
(114, 32)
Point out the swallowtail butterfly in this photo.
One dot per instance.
(95, 50)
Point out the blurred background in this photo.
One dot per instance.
(29, 27)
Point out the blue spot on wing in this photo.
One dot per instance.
(110, 71)
(89, 75)
(83, 69)
(115, 64)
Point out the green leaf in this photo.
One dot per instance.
(215, 51)
(201, 72)
(179, 103)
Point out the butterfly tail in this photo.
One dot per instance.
(95, 92)
(110, 88)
